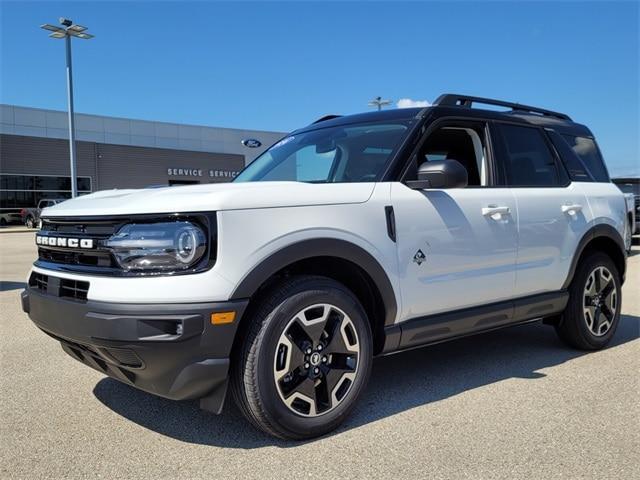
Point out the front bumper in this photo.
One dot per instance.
(171, 350)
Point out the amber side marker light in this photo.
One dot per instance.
(222, 318)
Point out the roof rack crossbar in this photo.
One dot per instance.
(324, 118)
(453, 99)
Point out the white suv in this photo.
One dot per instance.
(354, 237)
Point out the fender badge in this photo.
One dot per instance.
(419, 257)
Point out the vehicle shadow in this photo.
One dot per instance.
(7, 286)
(398, 383)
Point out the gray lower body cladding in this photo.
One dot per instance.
(170, 350)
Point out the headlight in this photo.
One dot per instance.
(166, 246)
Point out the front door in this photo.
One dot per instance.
(456, 247)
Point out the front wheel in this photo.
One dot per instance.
(30, 222)
(595, 298)
(305, 359)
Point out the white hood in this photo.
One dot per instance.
(211, 197)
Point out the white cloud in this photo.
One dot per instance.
(410, 103)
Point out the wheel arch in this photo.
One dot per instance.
(337, 259)
(601, 238)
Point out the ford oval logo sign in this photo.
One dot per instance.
(251, 143)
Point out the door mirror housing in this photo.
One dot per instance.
(440, 174)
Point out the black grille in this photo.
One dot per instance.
(98, 230)
(127, 358)
(59, 287)
(95, 258)
(39, 281)
(74, 289)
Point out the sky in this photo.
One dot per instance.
(280, 65)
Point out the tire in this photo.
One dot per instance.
(3, 222)
(29, 222)
(628, 236)
(582, 317)
(273, 370)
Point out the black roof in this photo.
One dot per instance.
(461, 105)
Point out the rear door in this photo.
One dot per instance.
(552, 211)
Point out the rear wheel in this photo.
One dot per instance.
(305, 360)
(593, 312)
(628, 236)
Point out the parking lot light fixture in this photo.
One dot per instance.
(67, 30)
(379, 102)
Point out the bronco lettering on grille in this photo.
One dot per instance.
(84, 243)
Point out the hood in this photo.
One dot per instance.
(211, 197)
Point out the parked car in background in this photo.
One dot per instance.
(631, 189)
(31, 216)
(9, 218)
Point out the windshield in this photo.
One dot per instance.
(347, 153)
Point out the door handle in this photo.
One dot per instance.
(571, 208)
(491, 210)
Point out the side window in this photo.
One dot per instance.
(572, 162)
(462, 143)
(527, 159)
(588, 152)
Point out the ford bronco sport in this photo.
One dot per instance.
(353, 237)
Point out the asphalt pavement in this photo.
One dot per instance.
(509, 404)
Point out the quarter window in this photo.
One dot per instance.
(527, 158)
(588, 152)
(574, 165)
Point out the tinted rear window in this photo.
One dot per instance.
(588, 152)
(528, 160)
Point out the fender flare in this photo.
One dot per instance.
(600, 230)
(321, 247)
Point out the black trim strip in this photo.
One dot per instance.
(441, 327)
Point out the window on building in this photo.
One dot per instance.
(25, 191)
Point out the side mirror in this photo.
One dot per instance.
(440, 174)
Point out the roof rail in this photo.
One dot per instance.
(453, 99)
(326, 117)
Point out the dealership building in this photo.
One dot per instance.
(113, 153)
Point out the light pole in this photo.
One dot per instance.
(379, 102)
(67, 31)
